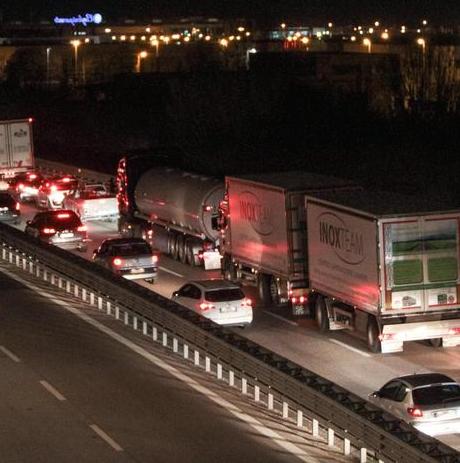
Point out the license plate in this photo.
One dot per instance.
(66, 235)
(137, 270)
(228, 309)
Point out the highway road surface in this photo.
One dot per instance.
(78, 386)
(338, 356)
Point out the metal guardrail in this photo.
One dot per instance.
(314, 403)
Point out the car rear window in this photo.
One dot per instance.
(223, 295)
(131, 249)
(6, 200)
(436, 394)
(63, 220)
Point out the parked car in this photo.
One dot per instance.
(10, 210)
(132, 258)
(25, 186)
(430, 402)
(62, 228)
(52, 192)
(221, 301)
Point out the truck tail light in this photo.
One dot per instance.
(415, 412)
(454, 331)
(117, 262)
(48, 231)
(82, 228)
(247, 302)
(299, 299)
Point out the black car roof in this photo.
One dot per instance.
(424, 379)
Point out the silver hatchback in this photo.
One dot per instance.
(429, 401)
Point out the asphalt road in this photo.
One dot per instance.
(338, 356)
(71, 393)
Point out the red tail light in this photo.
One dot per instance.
(18, 207)
(247, 302)
(20, 187)
(63, 216)
(200, 255)
(454, 331)
(415, 412)
(204, 306)
(82, 228)
(49, 231)
(117, 262)
(154, 259)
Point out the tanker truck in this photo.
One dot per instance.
(175, 211)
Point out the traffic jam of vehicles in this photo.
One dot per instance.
(382, 266)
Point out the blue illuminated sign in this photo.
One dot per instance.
(80, 19)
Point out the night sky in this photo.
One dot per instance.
(338, 11)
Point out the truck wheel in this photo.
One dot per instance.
(171, 243)
(178, 246)
(373, 341)
(322, 319)
(274, 291)
(182, 251)
(263, 285)
(435, 342)
(190, 256)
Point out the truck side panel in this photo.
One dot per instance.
(21, 144)
(343, 255)
(258, 225)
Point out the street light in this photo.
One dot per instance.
(367, 43)
(76, 44)
(141, 55)
(421, 41)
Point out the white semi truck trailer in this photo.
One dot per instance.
(16, 147)
(385, 266)
(262, 221)
(175, 210)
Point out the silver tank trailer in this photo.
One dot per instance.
(176, 198)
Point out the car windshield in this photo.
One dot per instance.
(131, 249)
(224, 295)
(436, 394)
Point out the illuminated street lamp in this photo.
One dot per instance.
(367, 43)
(155, 43)
(421, 41)
(76, 44)
(140, 56)
(385, 35)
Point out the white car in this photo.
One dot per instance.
(221, 301)
(430, 402)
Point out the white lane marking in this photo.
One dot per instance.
(360, 352)
(279, 317)
(164, 269)
(211, 395)
(105, 437)
(10, 354)
(52, 390)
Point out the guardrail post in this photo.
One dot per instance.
(330, 437)
(315, 428)
(83, 294)
(75, 290)
(24, 263)
(185, 351)
(108, 308)
(126, 317)
(256, 393)
(244, 386)
(219, 371)
(231, 378)
(4, 253)
(175, 345)
(10, 259)
(117, 313)
(270, 401)
(91, 298)
(144, 328)
(165, 339)
(207, 364)
(196, 359)
(45, 274)
(363, 455)
(60, 283)
(135, 323)
(299, 418)
(285, 410)
(154, 333)
(18, 262)
(99, 303)
(67, 286)
(346, 446)
(31, 267)
(52, 278)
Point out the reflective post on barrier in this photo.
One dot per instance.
(299, 418)
(196, 359)
(256, 393)
(108, 308)
(363, 455)
(330, 437)
(207, 364)
(91, 298)
(175, 345)
(244, 386)
(165, 339)
(135, 323)
(219, 371)
(126, 318)
(117, 313)
(67, 286)
(270, 401)
(99, 303)
(231, 378)
(75, 291)
(154, 333)
(144, 328)
(83, 294)
(315, 428)
(185, 351)
(346, 446)
(285, 410)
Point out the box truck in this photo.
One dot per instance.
(16, 147)
(385, 266)
(262, 222)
